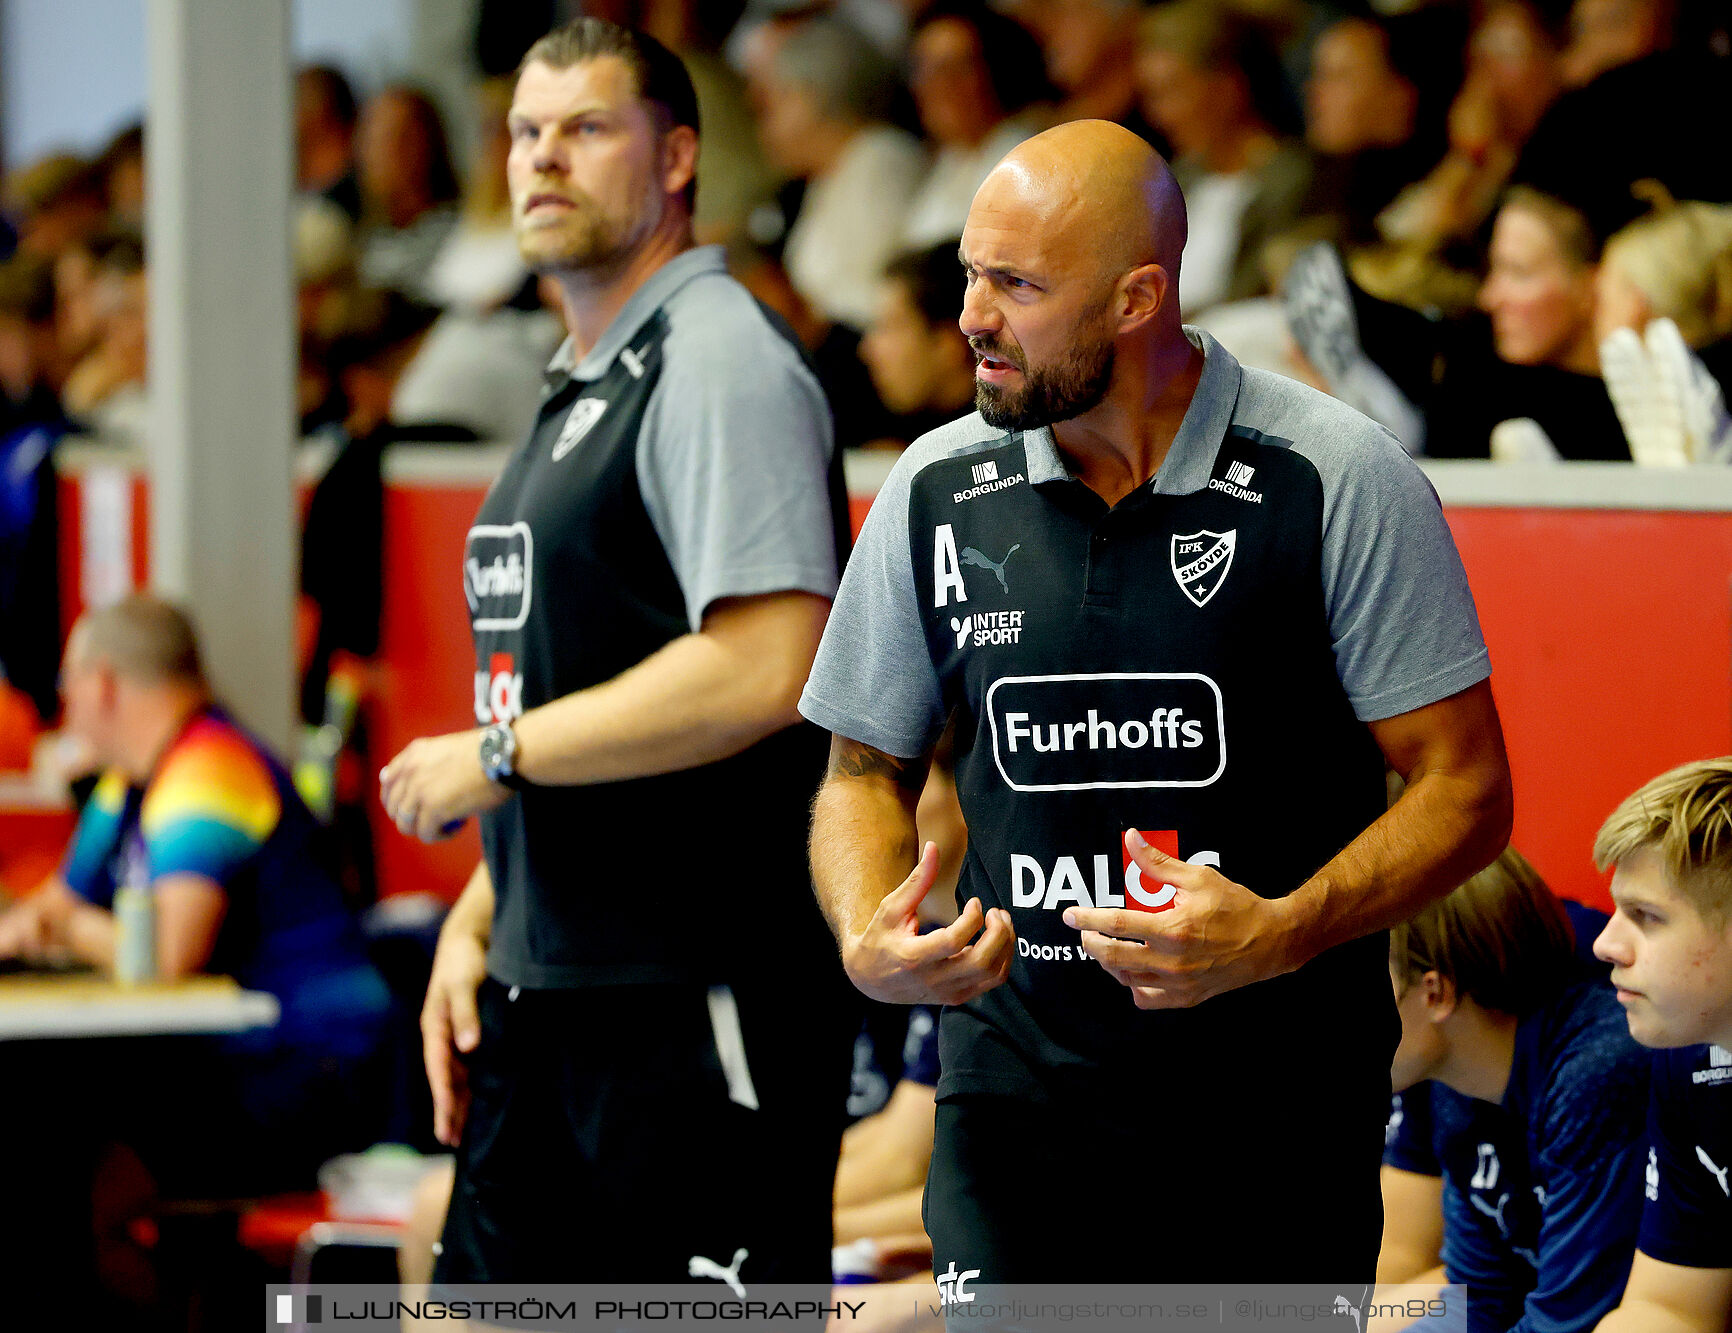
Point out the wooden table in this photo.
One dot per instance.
(36, 1006)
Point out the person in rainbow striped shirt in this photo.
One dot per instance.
(196, 813)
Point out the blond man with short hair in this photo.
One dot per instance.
(1669, 846)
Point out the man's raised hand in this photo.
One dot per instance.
(891, 960)
(1217, 935)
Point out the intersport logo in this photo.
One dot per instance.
(1107, 731)
(499, 575)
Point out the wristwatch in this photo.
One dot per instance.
(499, 756)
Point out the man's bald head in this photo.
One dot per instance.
(1072, 253)
(1098, 188)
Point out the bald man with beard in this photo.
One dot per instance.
(1183, 614)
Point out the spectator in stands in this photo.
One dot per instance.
(105, 391)
(1211, 82)
(54, 202)
(977, 79)
(408, 188)
(1430, 232)
(76, 326)
(342, 539)
(327, 290)
(325, 115)
(27, 343)
(1663, 319)
(1629, 121)
(474, 376)
(1363, 117)
(1605, 34)
(1514, 62)
(832, 349)
(1675, 263)
(821, 98)
(1539, 290)
(920, 363)
(1537, 1101)
(121, 170)
(1669, 847)
(731, 163)
(195, 812)
(30, 424)
(1356, 98)
(1448, 386)
(1090, 55)
(480, 366)
(478, 268)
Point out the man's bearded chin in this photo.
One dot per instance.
(1049, 394)
(571, 251)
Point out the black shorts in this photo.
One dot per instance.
(615, 1133)
(1153, 1189)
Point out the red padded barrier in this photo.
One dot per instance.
(1610, 632)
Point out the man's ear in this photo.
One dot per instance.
(108, 687)
(1141, 294)
(1441, 998)
(679, 158)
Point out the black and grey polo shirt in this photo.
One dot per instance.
(685, 459)
(1198, 662)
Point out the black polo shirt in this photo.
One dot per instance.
(687, 458)
(1198, 662)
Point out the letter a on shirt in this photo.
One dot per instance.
(946, 568)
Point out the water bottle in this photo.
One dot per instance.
(134, 935)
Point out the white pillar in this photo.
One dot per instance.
(222, 343)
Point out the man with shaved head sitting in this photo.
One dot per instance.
(1183, 614)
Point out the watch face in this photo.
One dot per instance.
(496, 751)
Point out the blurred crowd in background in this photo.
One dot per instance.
(1500, 227)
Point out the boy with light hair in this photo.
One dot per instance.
(1669, 846)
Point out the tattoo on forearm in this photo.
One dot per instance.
(853, 760)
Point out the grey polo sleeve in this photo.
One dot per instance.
(874, 680)
(733, 460)
(1400, 612)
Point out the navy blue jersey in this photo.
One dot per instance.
(1408, 1139)
(1541, 1192)
(896, 1043)
(1687, 1218)
(1407, 1142)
